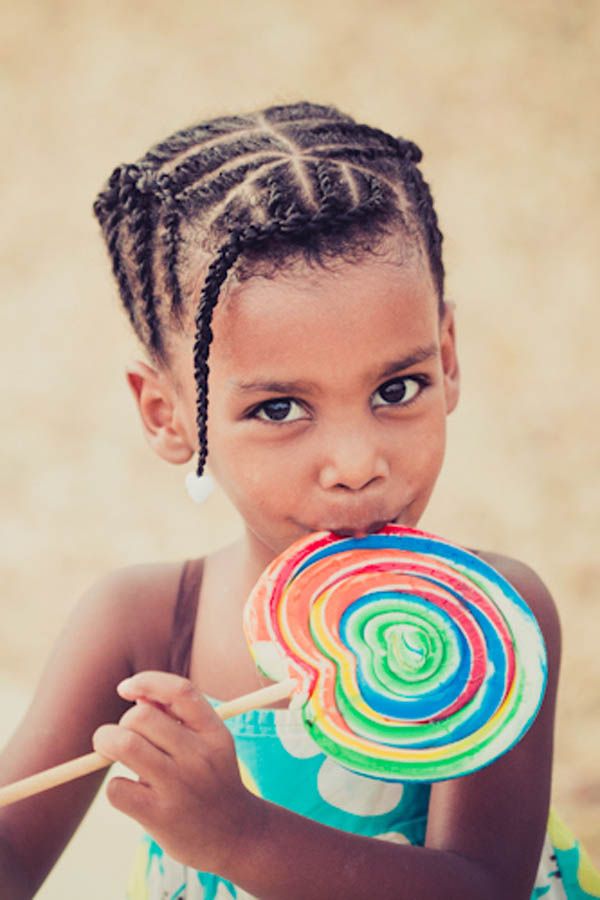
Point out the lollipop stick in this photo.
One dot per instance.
(91, 762)
(35, 784)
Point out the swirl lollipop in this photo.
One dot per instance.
(415, 659)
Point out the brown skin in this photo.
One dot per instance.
(102, 644)
(359, 455)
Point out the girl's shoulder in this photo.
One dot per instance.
(136, 603)
(535, 593)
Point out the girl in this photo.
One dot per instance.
(303, 251)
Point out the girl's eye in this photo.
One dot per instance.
(281, 410)
(399, 391)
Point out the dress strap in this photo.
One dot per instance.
(184, 617)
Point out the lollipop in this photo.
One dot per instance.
(415, 660)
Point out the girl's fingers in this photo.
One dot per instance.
(176, 694)
(134, 798)
(156, 725)
(133, 750)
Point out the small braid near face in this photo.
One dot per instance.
(288, 181)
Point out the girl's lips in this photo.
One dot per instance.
(356, 530)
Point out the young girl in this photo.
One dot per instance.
(284, 272)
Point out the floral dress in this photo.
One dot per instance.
(280, 762)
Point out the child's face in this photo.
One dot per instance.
(328, 393)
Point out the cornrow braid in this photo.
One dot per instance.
(298, 112)
(298, 179)
(139, 197)
(422, 201)
(171, 257)
(199, 165)
(109, 213)
(195, 136)
(215, 278)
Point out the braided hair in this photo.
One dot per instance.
(299, 179)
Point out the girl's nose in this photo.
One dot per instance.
(353, 462)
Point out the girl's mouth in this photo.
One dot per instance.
(371, 528)
(359, 530)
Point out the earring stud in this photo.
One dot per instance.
(199, 487)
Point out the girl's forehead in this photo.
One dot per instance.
(308, 319)
(327, 316)
(311, 297)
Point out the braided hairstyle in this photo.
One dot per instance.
(295, 180)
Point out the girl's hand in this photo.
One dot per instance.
(189, 795)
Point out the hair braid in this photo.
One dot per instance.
(195, 137)
(304, 111)
(331, 201)
(198, 166)
(110, 214)
(314, 134)
(171, 256)
(217, 273)
(140, 202)
(217, 188)
(422, 201)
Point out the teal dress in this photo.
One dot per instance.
(281, 763)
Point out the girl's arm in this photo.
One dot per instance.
(484, 836)
(119, 625)
(499, 815)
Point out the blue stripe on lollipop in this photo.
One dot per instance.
(404, 707)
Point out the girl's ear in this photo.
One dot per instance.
(159, 408)
(450, 358)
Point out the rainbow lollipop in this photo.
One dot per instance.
(416, 660)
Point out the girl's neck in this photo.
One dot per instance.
(254, 557)
(239, 565)
(221, 663)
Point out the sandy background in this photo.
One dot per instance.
(503, 98)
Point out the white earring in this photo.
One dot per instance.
(199, 488)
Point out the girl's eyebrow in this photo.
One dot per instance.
(421, 354)
(277, 387)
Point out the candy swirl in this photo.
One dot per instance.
(415, 659)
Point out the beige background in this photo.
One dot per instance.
(503, 97)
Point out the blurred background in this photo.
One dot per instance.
(502, 97)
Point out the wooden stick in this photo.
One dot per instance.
(92, 762)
